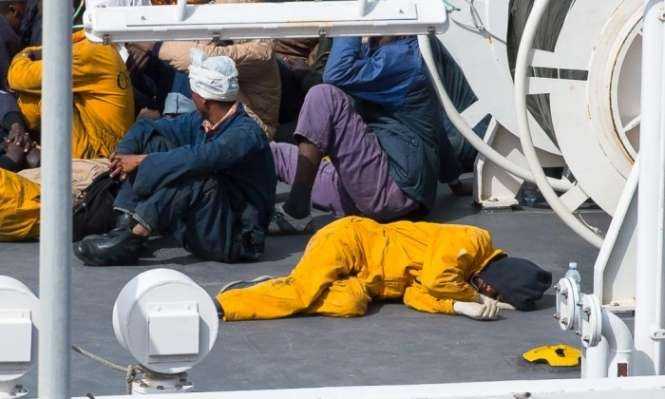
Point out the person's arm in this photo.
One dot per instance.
(88, 62)
(25, 71)
(418, 297)
(455, 253)
(178, 131)
(160, 169)
(385, 72)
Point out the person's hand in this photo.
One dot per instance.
(35, 55)
(123, 165)
(148, 113)
(15, 151)
(477, 311)
(34, 157)
(483, 299)
(16, 131)
(16, 148)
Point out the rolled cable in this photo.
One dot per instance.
(460, 124)
(521, 90)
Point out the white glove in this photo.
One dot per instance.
(478, 311)
(482, 299)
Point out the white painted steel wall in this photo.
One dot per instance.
(622, 388)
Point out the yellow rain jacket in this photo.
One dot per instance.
(354, 260)
(19, 207)
(103, 95)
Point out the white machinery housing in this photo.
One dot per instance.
(19, 318)
(168, 323)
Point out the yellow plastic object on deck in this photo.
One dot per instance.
(560, 355)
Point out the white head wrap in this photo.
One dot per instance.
(213, 78)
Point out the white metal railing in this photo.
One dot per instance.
(621, 388)
(265, 20)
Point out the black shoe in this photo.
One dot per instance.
(218, 306)
(118, 247)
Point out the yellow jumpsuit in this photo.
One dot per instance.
(103, 96)
(19, 207)
(354, 260)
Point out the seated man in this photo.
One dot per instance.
(103, 100)
(383, 148)
(435, 268)
(205, 178)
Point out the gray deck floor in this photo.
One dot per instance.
(391, 345)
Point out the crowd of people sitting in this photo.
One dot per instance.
(196, 135)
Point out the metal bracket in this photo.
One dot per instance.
(658, 334)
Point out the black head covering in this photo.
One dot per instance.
(519, 282)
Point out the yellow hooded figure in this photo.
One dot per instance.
(103, 107)
(355, 260)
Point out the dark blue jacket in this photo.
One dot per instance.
(237, 151)
(396, 100)
(10, 44)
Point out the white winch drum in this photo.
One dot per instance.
(165, 320)
(19, 321)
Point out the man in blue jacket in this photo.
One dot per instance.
(206, 178)
(378, 123)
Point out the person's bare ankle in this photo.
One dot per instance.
(140, 230)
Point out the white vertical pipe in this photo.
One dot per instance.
(620, 341)
(362, 8)
(647, 358)
(594, 360)
(56, 215)
(181, 8)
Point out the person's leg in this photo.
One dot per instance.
(344, 298)
(329, 125)
(196, 213)
(328, 194)
(19, 207)
(165, 212)
(126, 200)
(333, 254)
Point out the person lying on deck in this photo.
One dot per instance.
(435, 268)
(205, 178)
(378, 123)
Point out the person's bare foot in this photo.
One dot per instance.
(460, 189)
(140, 230)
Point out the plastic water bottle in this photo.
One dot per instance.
(574, 274)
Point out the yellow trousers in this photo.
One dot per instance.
(19, 207)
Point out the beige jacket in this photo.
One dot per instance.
(84, 171)
(258, 74)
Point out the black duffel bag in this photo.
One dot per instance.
(93, 210)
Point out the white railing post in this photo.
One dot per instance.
(56, 211)
(648, 355)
